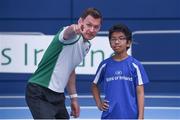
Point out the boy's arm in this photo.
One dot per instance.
(71, 88)
(140, 98)
(96, 95)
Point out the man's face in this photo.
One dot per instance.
(90, 27)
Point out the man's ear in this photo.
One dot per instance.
(80, 20)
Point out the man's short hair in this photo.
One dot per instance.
(93, 12)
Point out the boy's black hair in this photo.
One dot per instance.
(121, 28)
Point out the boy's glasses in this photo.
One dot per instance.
(113, 40)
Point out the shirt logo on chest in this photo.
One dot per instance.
(119, 72)
(87, 50)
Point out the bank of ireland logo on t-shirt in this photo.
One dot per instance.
(118, 72)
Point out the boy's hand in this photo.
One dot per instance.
(104, 105)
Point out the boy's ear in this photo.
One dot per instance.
(129, 43)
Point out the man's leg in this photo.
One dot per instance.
(57, 102)
(39, 107)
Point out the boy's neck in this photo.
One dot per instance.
(120, 57)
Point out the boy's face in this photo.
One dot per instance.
(90, 27)
(119, 42)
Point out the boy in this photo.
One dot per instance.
(123, 78)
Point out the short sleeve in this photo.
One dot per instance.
(99, 74)
(141, 74)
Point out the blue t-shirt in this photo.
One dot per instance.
(120, 79)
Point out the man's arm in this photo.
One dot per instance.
(71, 88)
(72, 31)
(140, 98)
(71, 85)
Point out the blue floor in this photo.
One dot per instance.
(92, 113)
(156, 107)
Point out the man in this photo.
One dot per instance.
(56, 71)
